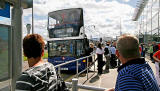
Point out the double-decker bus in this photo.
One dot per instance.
(66, 41)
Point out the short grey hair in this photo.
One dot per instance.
(128, 46)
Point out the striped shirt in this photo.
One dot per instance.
(39, 78)
(136, 75)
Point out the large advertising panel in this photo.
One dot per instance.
(4, 60)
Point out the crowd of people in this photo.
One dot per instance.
(108, 50)
(154, 52)
(134, 73)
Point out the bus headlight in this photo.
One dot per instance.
(84, 61)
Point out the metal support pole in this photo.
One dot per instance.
(139, 29)
(32, 19)
(151, 23)
(10, 58)
(146, 19)
(94, 63)
(146, 22)
(144, 36)
(77, 68)
(120, 27)
(17, 42)
(59, 70)
(74, 84)
(87, 68)
(158, 20)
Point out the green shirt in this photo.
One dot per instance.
(150, 49)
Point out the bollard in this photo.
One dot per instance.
(94, 64)
(74, 84)
(77, 69)
(59, 70)
(87, 68)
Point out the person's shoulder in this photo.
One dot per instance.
(41, 68)
(158, 52)
(106, 46)
(24, 82)
(130, 69)
(24, 76)
(112, 47)
(98, 49)
(49, 66)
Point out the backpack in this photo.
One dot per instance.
(61, 86)
(106, 51)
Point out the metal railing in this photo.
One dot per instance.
(77, 66)
(75, 86)
(74, 83)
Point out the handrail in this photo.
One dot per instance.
(56, 66)
(87, 68)
(74, 84)
(76, 60)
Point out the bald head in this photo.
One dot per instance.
(128, 46)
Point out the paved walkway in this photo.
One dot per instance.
(106, 80)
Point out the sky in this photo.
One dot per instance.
(105, 15)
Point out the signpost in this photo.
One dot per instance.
(5, 10)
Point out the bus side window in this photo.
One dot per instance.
(71, 48)
(86, 45)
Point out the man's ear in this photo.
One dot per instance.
(117, 53)
(42, 53)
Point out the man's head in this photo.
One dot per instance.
(33, 46)
(128, 47)
(91, 45)
(107, 43)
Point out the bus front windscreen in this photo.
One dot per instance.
(64, 20)
(61, 48)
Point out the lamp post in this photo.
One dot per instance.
(28, 26)
(120, 27)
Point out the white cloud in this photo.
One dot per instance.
(126, 0)
(105, 15)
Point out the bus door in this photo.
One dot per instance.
(86, 45)
(79, 48)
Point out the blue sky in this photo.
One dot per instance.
(104, 14)
(129, 2)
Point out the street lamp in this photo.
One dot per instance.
(28, 26)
